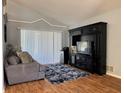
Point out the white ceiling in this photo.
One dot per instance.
(62, 12)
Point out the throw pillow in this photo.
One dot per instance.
(13, 60)
(25, 57)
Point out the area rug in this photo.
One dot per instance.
(59, 73)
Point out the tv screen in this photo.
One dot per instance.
(84, 47)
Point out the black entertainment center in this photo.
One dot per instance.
(90, 45)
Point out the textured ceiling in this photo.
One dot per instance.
(62, 12)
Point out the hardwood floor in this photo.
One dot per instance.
(90, 84)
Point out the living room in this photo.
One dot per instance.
(59, 47)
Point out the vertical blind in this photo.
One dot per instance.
(44, 46)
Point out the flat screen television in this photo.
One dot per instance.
(84, 47)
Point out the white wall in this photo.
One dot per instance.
(65, 39)
(113, 18)
(13, 34)
(3, 43)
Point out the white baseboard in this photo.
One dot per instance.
(114, 75)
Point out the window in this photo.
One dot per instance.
(44, 46)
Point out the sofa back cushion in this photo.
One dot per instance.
(10, 50)
(25, 57)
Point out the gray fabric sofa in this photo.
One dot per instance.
(24, 72)
(21, 67)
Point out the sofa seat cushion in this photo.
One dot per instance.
(13, 60)
(42, 68)
(25, 57)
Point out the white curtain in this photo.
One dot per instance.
(44, 46)
(57, 46)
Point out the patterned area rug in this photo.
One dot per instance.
(59, 73)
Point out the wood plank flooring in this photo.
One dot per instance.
(90, 84)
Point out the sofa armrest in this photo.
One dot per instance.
(22, 72)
